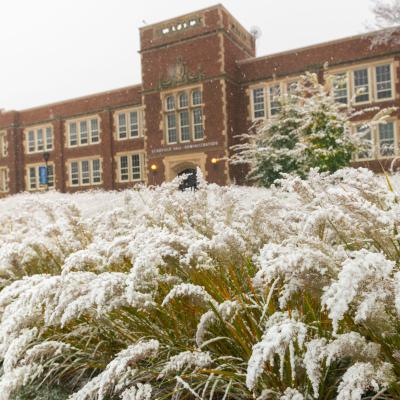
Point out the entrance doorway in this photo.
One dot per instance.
(190, 182)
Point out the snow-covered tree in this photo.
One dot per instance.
(311, 130)
(387, 18)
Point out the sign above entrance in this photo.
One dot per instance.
(187, 146)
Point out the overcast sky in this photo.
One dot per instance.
(58, 49)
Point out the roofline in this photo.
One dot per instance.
(317, 45)
(76, 98)
(218, 5)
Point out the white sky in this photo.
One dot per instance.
(53, 50)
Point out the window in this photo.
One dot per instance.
(184, 125)
(83, 132)
(266, 100)
(340, 88)
(383, 76)
(361, 85)
(170, 103)
(73, 134)
(274, 99)
(171, 128)
(184, 116)
(94, 128)
(198, 124)
(33, 178)
(129, 124)
(39, 139)
(258, 103)
(196, 97)
(130, 167)
(3, 180)
(3, 144)
(85, 172)
(183, 100)
(387, 143)
(367, 145)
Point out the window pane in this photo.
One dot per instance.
(340, 88)
(386, 139)
(361, 86)
(292, 88)
(85, 172)
(3, 145)
(135, 167)
(274, 99)
(73, 138)
(50, 176)
(74, 173)
(170, 103)
(122, 132)
(83, 126)
(32, 178)
(134, 125)
(198, 123)
(94, 130)
(183, 100)
(258, 103)
(3, 180)
(96, 171)
(366, 139)
(31, 141)
(196, 97)
(40, 143)
(49, 138)
(383, 82)
(184, 125)
(171, 128)
(124, 169)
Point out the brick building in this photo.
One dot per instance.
(202, 85)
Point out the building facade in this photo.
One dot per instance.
(202, 85)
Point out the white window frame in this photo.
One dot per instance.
(3, 144)
(375, 83)
(80, 162)
(271, 99)
(348, 85)
(4, 180)
(130, 167)
(373, 142)
(127, 112)
(90, 136)
(267, 87)
(38, 187)
(48, 145)
(395, 140)
(176, 111)
(253, 110)
(372, 83)
(370, 92)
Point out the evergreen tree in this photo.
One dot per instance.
(310, 130)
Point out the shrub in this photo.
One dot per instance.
(224, 293)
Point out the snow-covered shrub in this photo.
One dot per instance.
(230, 293)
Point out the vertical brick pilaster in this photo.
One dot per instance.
(13, 161)
(57, 156)
(107, 149)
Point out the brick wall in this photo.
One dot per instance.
(208, 49)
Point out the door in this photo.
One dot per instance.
(190, 182)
